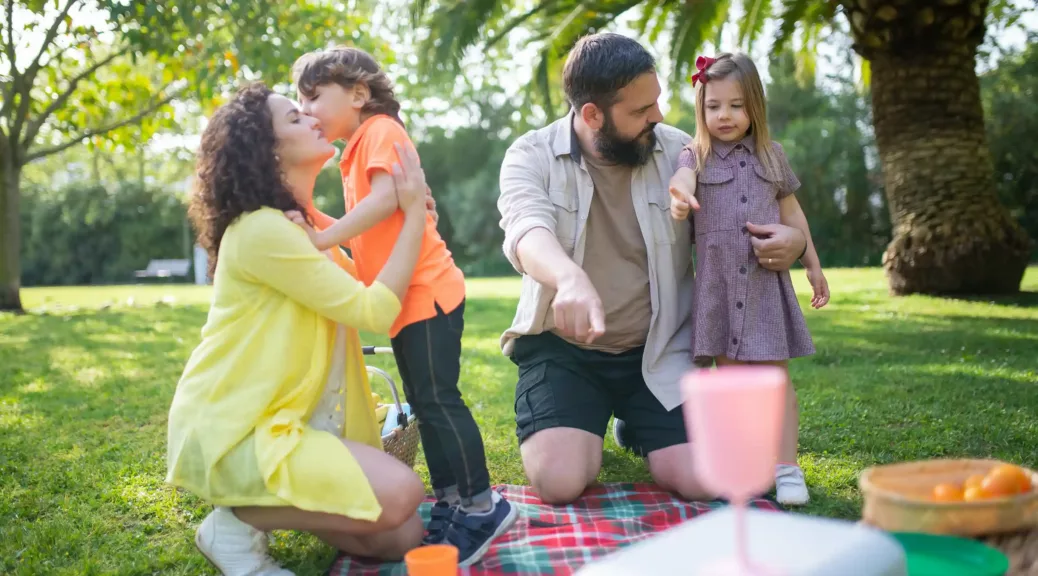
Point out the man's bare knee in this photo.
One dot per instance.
(559, 488)
(672, 469)
(561, 462)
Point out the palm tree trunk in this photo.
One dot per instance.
(950, 233)
(10, 236)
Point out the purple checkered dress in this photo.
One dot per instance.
(741, 310)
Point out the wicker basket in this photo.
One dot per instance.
(897, 498)
(402, 441)
(1022, 550)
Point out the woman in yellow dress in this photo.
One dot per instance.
(273, 421)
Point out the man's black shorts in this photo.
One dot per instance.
(563, 385)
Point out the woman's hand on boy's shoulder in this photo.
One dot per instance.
(430, 205)
(297, 218)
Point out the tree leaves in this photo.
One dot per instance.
(160, 48)
(752, 23)
(555, 25)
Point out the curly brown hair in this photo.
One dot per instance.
(237, 169)
(347, 66)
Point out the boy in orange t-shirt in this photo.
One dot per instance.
(349, 94)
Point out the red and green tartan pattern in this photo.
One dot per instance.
(558, 540)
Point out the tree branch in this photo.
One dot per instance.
(9, 45)
(9, 50)
(74, 42)
(98, 131)
(52, 32)
(29, 77)
(37, 123)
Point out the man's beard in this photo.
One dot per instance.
(616, 149)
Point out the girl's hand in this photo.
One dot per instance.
(682, 193)
(297, 217)
(820, 287)
(409, 179)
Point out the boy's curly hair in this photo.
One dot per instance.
(237, 169)
(347, 66)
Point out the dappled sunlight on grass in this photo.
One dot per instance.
(85, 388)
(117, 296)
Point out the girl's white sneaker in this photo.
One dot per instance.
(790, 486)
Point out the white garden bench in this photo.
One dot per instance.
(165, 269)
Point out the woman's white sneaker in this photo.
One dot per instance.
(234, 547)
(790, 486)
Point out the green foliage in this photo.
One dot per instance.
(462, 169)
(555, 25)
(823, 135)
(89, 233)
(1011, 112)
(141, 54)
(824, 132)
(459, 26)
(107, 71)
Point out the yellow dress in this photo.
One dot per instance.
(239, 431)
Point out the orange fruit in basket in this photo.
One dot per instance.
(974, 493)
(973, 481)
(1026, 485)
(1004, 480)
(1012, 474)
(947, 493)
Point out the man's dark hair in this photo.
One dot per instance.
(599, 65)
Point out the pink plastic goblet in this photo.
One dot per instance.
(734, 420)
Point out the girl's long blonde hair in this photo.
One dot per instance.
(740, 67)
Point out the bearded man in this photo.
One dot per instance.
(602, 327)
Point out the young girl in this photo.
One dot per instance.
(352, 98)
(733, 177)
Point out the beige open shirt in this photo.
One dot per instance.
(542, 186)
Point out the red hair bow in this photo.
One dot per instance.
(702, 63)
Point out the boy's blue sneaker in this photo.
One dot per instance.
(472, 533)
(439, 520)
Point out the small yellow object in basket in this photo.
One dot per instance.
(399, 427)
(381, 409)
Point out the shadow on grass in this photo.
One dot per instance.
(1023, 299)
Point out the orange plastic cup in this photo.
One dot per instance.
(432, 560)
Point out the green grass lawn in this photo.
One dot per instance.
(87, 377)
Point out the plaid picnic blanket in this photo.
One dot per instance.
(558, 540)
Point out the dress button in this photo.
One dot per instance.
(742, 163)
(743, 199)
(735, 340)
(738, 305)
(742, 270)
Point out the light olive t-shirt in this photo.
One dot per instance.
(615, 259)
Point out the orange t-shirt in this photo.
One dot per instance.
(436, 279)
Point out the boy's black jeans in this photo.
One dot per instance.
(428, 355)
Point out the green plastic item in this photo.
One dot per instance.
(934, 555)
